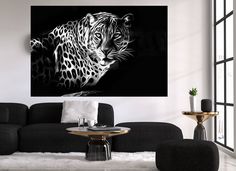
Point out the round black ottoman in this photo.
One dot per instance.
(8, 138)
(187, 155)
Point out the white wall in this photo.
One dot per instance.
(188, 59)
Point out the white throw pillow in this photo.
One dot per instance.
(72, 110)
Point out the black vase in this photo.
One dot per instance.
(206, 105)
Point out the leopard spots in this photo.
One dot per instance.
(65, 55)
(91, 80)
(79, 53)
(73, 71)
(67, 83)
(70, 57)
(64, 74)
(63, 67)
(73, 63)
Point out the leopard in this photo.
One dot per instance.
(77, 54)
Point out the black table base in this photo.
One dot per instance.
(199, 132)
(98, 150)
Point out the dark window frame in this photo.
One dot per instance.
(224, 61)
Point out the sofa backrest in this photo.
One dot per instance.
(145, 136)
(17, 113)
(51, 113)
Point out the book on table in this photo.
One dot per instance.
(103, 128)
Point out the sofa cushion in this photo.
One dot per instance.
(8, 138)
(17, 113)
(51, 113)
(45, 113)
(50, 137)
(4, 114)
(145, 136)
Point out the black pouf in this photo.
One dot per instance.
(187, 155)
(8, 138)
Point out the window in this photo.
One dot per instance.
(224, 73)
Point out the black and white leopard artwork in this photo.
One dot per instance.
(76, 55)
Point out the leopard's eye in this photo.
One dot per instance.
(117, 35)
(98, 35)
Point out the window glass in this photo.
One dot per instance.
(219, 9)
(220, 83)
(230, 82)
(220, 41)
(229, 37)
(229, 6)
(220, 124)
(230, 126)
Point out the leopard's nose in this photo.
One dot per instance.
(106, 51)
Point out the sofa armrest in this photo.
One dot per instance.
(4, 114)
(8, 138)
(145, 136)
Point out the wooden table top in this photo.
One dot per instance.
(83, 131)
(199, 113)
(200, 116)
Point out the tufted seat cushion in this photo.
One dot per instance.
(145, 136)
(51, 137)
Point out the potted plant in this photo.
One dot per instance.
(192, 98)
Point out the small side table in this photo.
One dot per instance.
(200, 117)
(98, 148)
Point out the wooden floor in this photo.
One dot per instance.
(227, 163)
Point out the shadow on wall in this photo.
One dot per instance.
(26, 43)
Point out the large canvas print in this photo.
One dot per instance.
(99, 51)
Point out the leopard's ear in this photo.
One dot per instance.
(127, 19)
(90, 18)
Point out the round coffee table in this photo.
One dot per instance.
(200, 117)
(99, 148)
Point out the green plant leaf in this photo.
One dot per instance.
(193, 91)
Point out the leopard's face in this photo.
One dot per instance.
(108, 37)
(81, 52)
